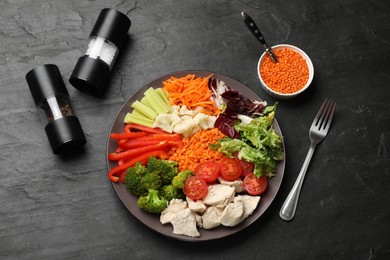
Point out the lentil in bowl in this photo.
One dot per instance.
(290, 76)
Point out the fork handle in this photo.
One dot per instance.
(287, 212)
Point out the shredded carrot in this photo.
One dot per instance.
(195, 149)
(288, 75)
(192, 92)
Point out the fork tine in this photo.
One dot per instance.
(324, 115)
(329, 115)
(319, 115)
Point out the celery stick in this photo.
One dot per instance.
(156, 101)
(137, 113)
(145, 101)
(154, 104)
(145, 110)
(136, 119)
(160, 97)
(164, 96)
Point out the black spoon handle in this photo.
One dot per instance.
(253, 28)
(256, 32)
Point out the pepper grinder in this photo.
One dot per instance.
(62, 127)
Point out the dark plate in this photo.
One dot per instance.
(153, 221)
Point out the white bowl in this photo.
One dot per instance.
(278, 95)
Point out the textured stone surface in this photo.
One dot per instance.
(64, 207)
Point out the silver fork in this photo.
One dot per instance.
(317, 133)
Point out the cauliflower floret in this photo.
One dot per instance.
(184, 128)
(184, 111)
(175, 120)
(184, 121)
(175, 110)
(204, 121)
(190, 121)
(196, 129)
(212, 120)
(164, 121)
(198, 109)
(186, 117)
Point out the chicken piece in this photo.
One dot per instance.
(232, 214)
(196, 206)
(184, 223)
(199, 221)
(237, 184)
(211, 217)
(169, 213)
(219, 194)
(226, 202)
(250, 204)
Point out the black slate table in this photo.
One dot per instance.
(64, 207)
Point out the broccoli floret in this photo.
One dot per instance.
(178, 180)
(133, 179)
(152, 203)
(151, 181)
(167, 176)
(167, 169)
(169, 192)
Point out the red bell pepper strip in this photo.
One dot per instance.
(122, 141)
(175, 143)
(147, 129)
(126, 129)
(137, 151)
(120, 149)
(121, 136)
(112, 174)
(122, 161)
(135, 143)
(161, 137)
(122, 176)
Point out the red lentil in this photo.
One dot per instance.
(288, 75)
(196, 149)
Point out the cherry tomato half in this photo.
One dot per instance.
(254, 185)
(209, 171)
(230, 169)
(195, 188)
(247, 167)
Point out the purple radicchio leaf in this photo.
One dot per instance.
(241, 105)
(225, 123)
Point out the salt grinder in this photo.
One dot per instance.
(92, 71)
(51, 97)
